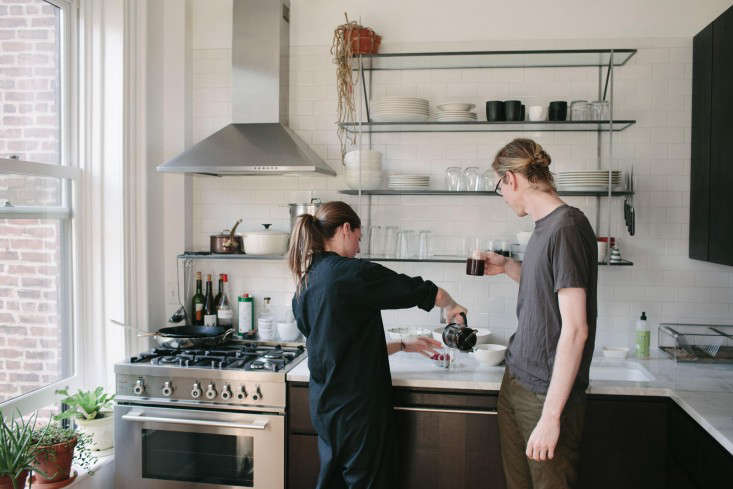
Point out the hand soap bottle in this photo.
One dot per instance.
(642, 337)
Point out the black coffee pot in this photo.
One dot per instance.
(459, 336)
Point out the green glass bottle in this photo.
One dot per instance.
(197, 303)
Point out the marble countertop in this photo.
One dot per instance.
(704, 391)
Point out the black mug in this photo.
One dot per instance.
(495, 111)
(521, 113)
(513, 110)
(558, 111)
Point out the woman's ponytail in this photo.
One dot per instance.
(305, 241)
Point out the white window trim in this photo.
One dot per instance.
(70, 169)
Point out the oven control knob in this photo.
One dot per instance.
(226, 392)
(196, 390)
(139, 387)
(257, 396)
(167, 389)
(211, 391)
(242, 394)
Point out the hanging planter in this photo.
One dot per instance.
(349, 40)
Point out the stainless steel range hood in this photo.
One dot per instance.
(259, 141)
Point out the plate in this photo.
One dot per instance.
(400, 118)
(456, 106)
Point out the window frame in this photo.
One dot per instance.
(70, 220)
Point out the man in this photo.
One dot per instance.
(542, 398)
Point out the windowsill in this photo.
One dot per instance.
(103, 469)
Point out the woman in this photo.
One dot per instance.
(337, 306)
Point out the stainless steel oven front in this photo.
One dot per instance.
(172, 448)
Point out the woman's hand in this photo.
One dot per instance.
(453, 313)
(423, 345)
(494, 263)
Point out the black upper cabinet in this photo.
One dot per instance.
(711, 184)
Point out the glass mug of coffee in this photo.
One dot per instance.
(475, 263)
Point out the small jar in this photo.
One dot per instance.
(579, 110)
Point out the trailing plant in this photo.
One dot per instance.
(54, 434)
(86, 405)
(18, 448)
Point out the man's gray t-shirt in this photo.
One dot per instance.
(562, 253)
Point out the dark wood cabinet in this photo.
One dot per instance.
(711, 172)
(450, 439)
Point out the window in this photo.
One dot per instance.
(38, 181)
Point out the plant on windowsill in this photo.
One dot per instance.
(17, 450)
(91, 411)
(57, 447)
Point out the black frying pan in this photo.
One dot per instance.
(190, 336)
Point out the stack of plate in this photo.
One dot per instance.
(409, 182)
(587, 181)
(363, 169)
(400, 109)
(455, 112)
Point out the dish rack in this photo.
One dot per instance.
(703, 343)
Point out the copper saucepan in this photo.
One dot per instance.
(227, 242)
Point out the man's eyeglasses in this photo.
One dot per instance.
(497, 189)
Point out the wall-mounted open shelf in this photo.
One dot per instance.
(433, 259)
(494, 59)
(486, 126)
(567, 193)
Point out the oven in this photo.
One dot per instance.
(176, 447)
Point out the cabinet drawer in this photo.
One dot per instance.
(299, 419)
(467, 400)
(303, 461)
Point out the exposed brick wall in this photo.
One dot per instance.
(30, 350)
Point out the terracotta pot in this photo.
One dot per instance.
(55, 461)
(363, 41)
(7, 483)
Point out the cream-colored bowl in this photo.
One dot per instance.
(489, 354)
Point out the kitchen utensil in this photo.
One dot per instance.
(471, 179)
(512, 110)
(558, 110)
(482, 335)
(536, 112)
(579, 110)
(179, 337)
(459, 336)
(226, 242)
(453, 176)
(489, 354)
(495, 111)
(300, 209)
(266, 242)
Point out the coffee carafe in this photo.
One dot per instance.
(459, 336)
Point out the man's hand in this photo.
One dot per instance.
(423, 345)
(453, 313)
(543, 440)
(494, 263)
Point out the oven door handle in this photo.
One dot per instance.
(139, 417)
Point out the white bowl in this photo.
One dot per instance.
(482, 335)
(615, 352)
(489, 354)
(523, 237)
(365, 155)
(407, 334)
(452, 106)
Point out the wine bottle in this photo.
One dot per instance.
(224, 311)
(209, 310)
(197, 303)
(217, 298)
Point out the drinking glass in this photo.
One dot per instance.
(407, 244)
(424, 246)
(599, 110)
(453, 178)
(471, 179)
(579, 110)
(488, 181)
(376, 241)
(390, 241)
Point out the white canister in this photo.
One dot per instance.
(287, 330)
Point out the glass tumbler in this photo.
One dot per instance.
(376, 241)
(579, 110)
(471, 179)
(600, 110)
(488, 181)
(424, 244)
(407, 244)
(390, 241)
(453, 178)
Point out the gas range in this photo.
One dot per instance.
(235, 374)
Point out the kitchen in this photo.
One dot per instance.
(179, 87)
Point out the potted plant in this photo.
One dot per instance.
(92, 415)
(56, 448)
(17, 450)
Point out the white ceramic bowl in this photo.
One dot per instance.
(363, 155)
(455, 106)
(482, 335)
(619, 352)
(407, 334)
(523, 237)
(489, 354)
(287, 330)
